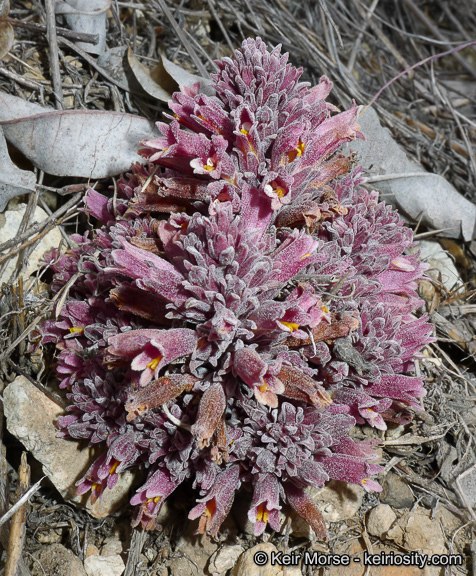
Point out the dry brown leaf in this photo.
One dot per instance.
(7, 35)
(149, 85)
(6, 38)
(182, 77)
(4, 8)
(166, 78)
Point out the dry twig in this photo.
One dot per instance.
(17, 525)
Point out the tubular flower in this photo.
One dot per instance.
(242, 304)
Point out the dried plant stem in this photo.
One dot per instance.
(45, 226)
(138, 540)
(358, 41)
(75, 36)
(211, 5)
(18, 523)
(183, 38)
(385, 40)
(429, 59)
(53, 53)
(21, 318)
(430, 132)
(93, 63)
(4, 483)
(430, 25)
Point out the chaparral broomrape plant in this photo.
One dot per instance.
(243, 305)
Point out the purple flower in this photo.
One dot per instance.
(214, 507)
(265, 505)
(243, 304)
(151, 496)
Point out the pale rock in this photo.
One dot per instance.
(111, 546)
(291, 571)
(450, 521)
(31, 418)
(380, 520)
(467, 484)
(356, 549)
(104, 565)
(442, 266)
(423, 533)
(192, 553)
(246, 565)
(9, 225)
(92, 550)
(150, 554)
(336, 501)
(166, 514)
(416, 531)
(56, 559)
(396, 534)
(224, 559)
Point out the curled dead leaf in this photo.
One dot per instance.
(4, 8)
(6, 38)
(166, 78)
(148, 84)
(182, 77)
(7, 35)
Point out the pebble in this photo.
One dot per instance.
(31, 418)
(92, 550)
(224, 559)
(192, 553)
(380, 520)
(49, 536)
(467, 482)
(104, 565)
(183, 566)
(396, 492)
(56, 559)
(336, 500)
(423, 534)
(111, 546)
(246, 565)
(356, 549)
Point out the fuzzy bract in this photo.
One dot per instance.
(243, 303)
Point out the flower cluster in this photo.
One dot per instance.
(243, 304)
